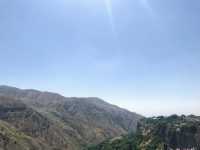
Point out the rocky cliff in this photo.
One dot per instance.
(159, 133)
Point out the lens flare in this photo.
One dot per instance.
(108, 4)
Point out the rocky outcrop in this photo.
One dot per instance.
(159, 133)
(174, 132)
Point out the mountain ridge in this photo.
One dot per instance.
(77, 121)
(53, 94)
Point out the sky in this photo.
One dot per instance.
(143, 55)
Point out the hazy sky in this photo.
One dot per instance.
(143, 55)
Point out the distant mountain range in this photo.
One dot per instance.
(35, 120)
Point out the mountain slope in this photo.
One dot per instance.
(31, 123)
(68, 123)
(11, 139)
(159, 133)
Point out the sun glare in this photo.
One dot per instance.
(109, 11)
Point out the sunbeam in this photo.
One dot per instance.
(108, 4)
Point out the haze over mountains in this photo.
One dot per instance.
(133, 53)
(35, 120)
(43, 120)
(141, 56)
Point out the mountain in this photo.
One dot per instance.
(11, 139)
(159, 133)
(56, 122)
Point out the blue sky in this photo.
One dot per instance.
(139, 54)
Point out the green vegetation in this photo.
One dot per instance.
(158, 133)
(123, 143)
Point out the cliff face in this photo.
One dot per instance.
(159, 133)
(172, 132)
(63, 123)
